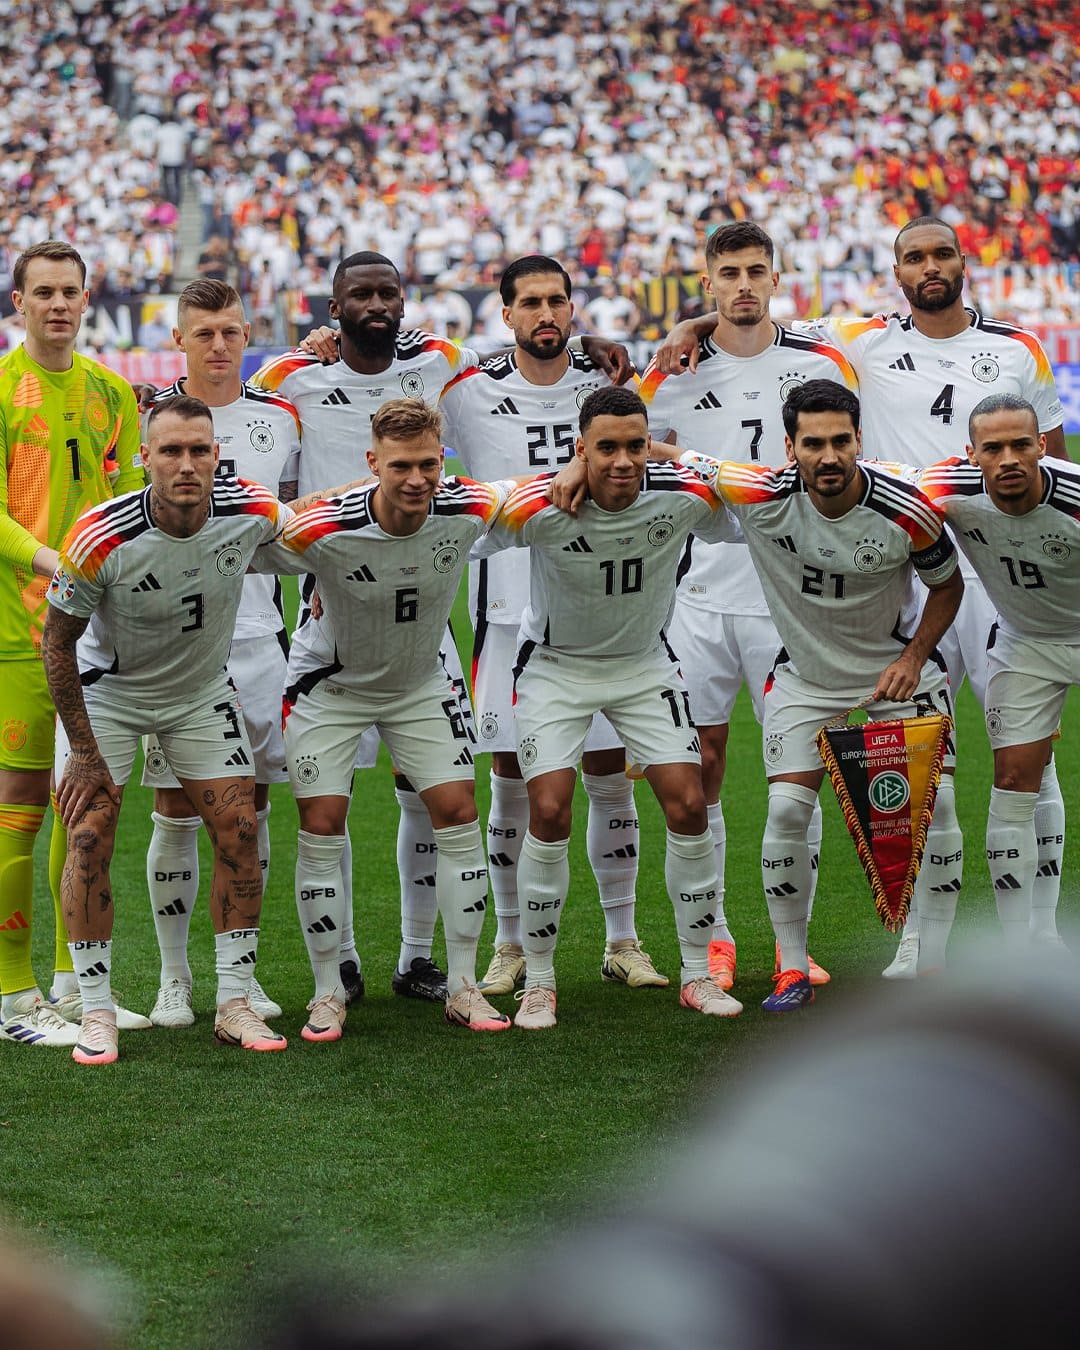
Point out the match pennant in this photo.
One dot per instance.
(886, 775)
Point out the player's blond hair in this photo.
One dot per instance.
(54, 250)
(406, 419)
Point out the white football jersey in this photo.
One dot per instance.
(386, 599)
(602, 583)
(729, 408)
(918, 392)
(836, 588)
(162, 609)
(336, 404)
(1030, 564)
(259, 439)
(500, 426)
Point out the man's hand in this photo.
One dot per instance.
(144, 396)
(567, 488)
(611, 357)
(316, 604)
(897, 682)
(323, 343)
(679, 350)
(85, 776)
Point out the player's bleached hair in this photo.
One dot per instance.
(186, 406)
(817, 396)
(363, 259)
(995, 403)
(207, 293)
(55, 250)
(533, 264)
(406, 419)
(611, 401)
(918, 223)
(737, 234)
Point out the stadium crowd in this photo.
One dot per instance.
(610, 135)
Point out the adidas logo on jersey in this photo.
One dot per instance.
(902, 362)
(506, 408)
(336, 398)
(466, 757)
(362, 573)
(578, 545)
(709, 403)
(148, 583)
(786, 542)
(976, 534)
(238, 759)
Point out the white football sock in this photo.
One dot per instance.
(320, 903)
(1012, 858)
(543, 881)
(785, 869)
(937, 887)
(813, 842)
(692, 885)
(262, 843)
(93, 966)
(172, 877)
(718, 829)
(461, 883)
(611, 841)
(234, 960)
(348, 937)
(1050, 840)
(508, 819)
(417, 858)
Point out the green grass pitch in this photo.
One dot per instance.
(187, 1175)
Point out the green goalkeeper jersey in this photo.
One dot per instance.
(68, 440)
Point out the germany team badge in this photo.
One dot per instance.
(886, 775)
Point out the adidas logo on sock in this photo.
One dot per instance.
(336, 399)
(248, 959)
(710, 401)
(1049, 869)
(478, 908)
(148, 583)
(99, 969)
(949, 886)
(628, 852)
(706, 922)
(17, 921)
(500, 860)
(786, 889)
(362, 573)
(1007, 883)
(323, 925)
(549, 931)
(174, 908)
(238, 759)
(428, 880)
(506, 408)
(902, 363)
(578, 545)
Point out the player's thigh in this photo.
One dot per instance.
(704, 643)
(323, 727)
(649, 706)
(117, 732)
(27, 719)
(933, 697)
(553, 714)
(206, 738)
(429, 739)
(972, 627)
(794, 712)
(1026, 689)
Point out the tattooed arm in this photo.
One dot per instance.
(86, 773)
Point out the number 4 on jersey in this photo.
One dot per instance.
(942, 406)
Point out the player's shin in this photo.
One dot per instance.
(1050, 839)
(320, 903)
(786, 871)
(937, 888)
(461, 881)
(543, 882)
(1012, 857)
(692, 885)
(813, 841)
(235, 953)
(508, 819)
(262, 842)
(417, 854)
(19, 826)
(611, 840)
(92, 959)
(172, 878)
(718, 829)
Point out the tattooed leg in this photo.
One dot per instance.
(227, 806)
(85, 890)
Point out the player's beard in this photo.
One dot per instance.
(747, 318)
(544, 351)
(378, 342)
(951, 292)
